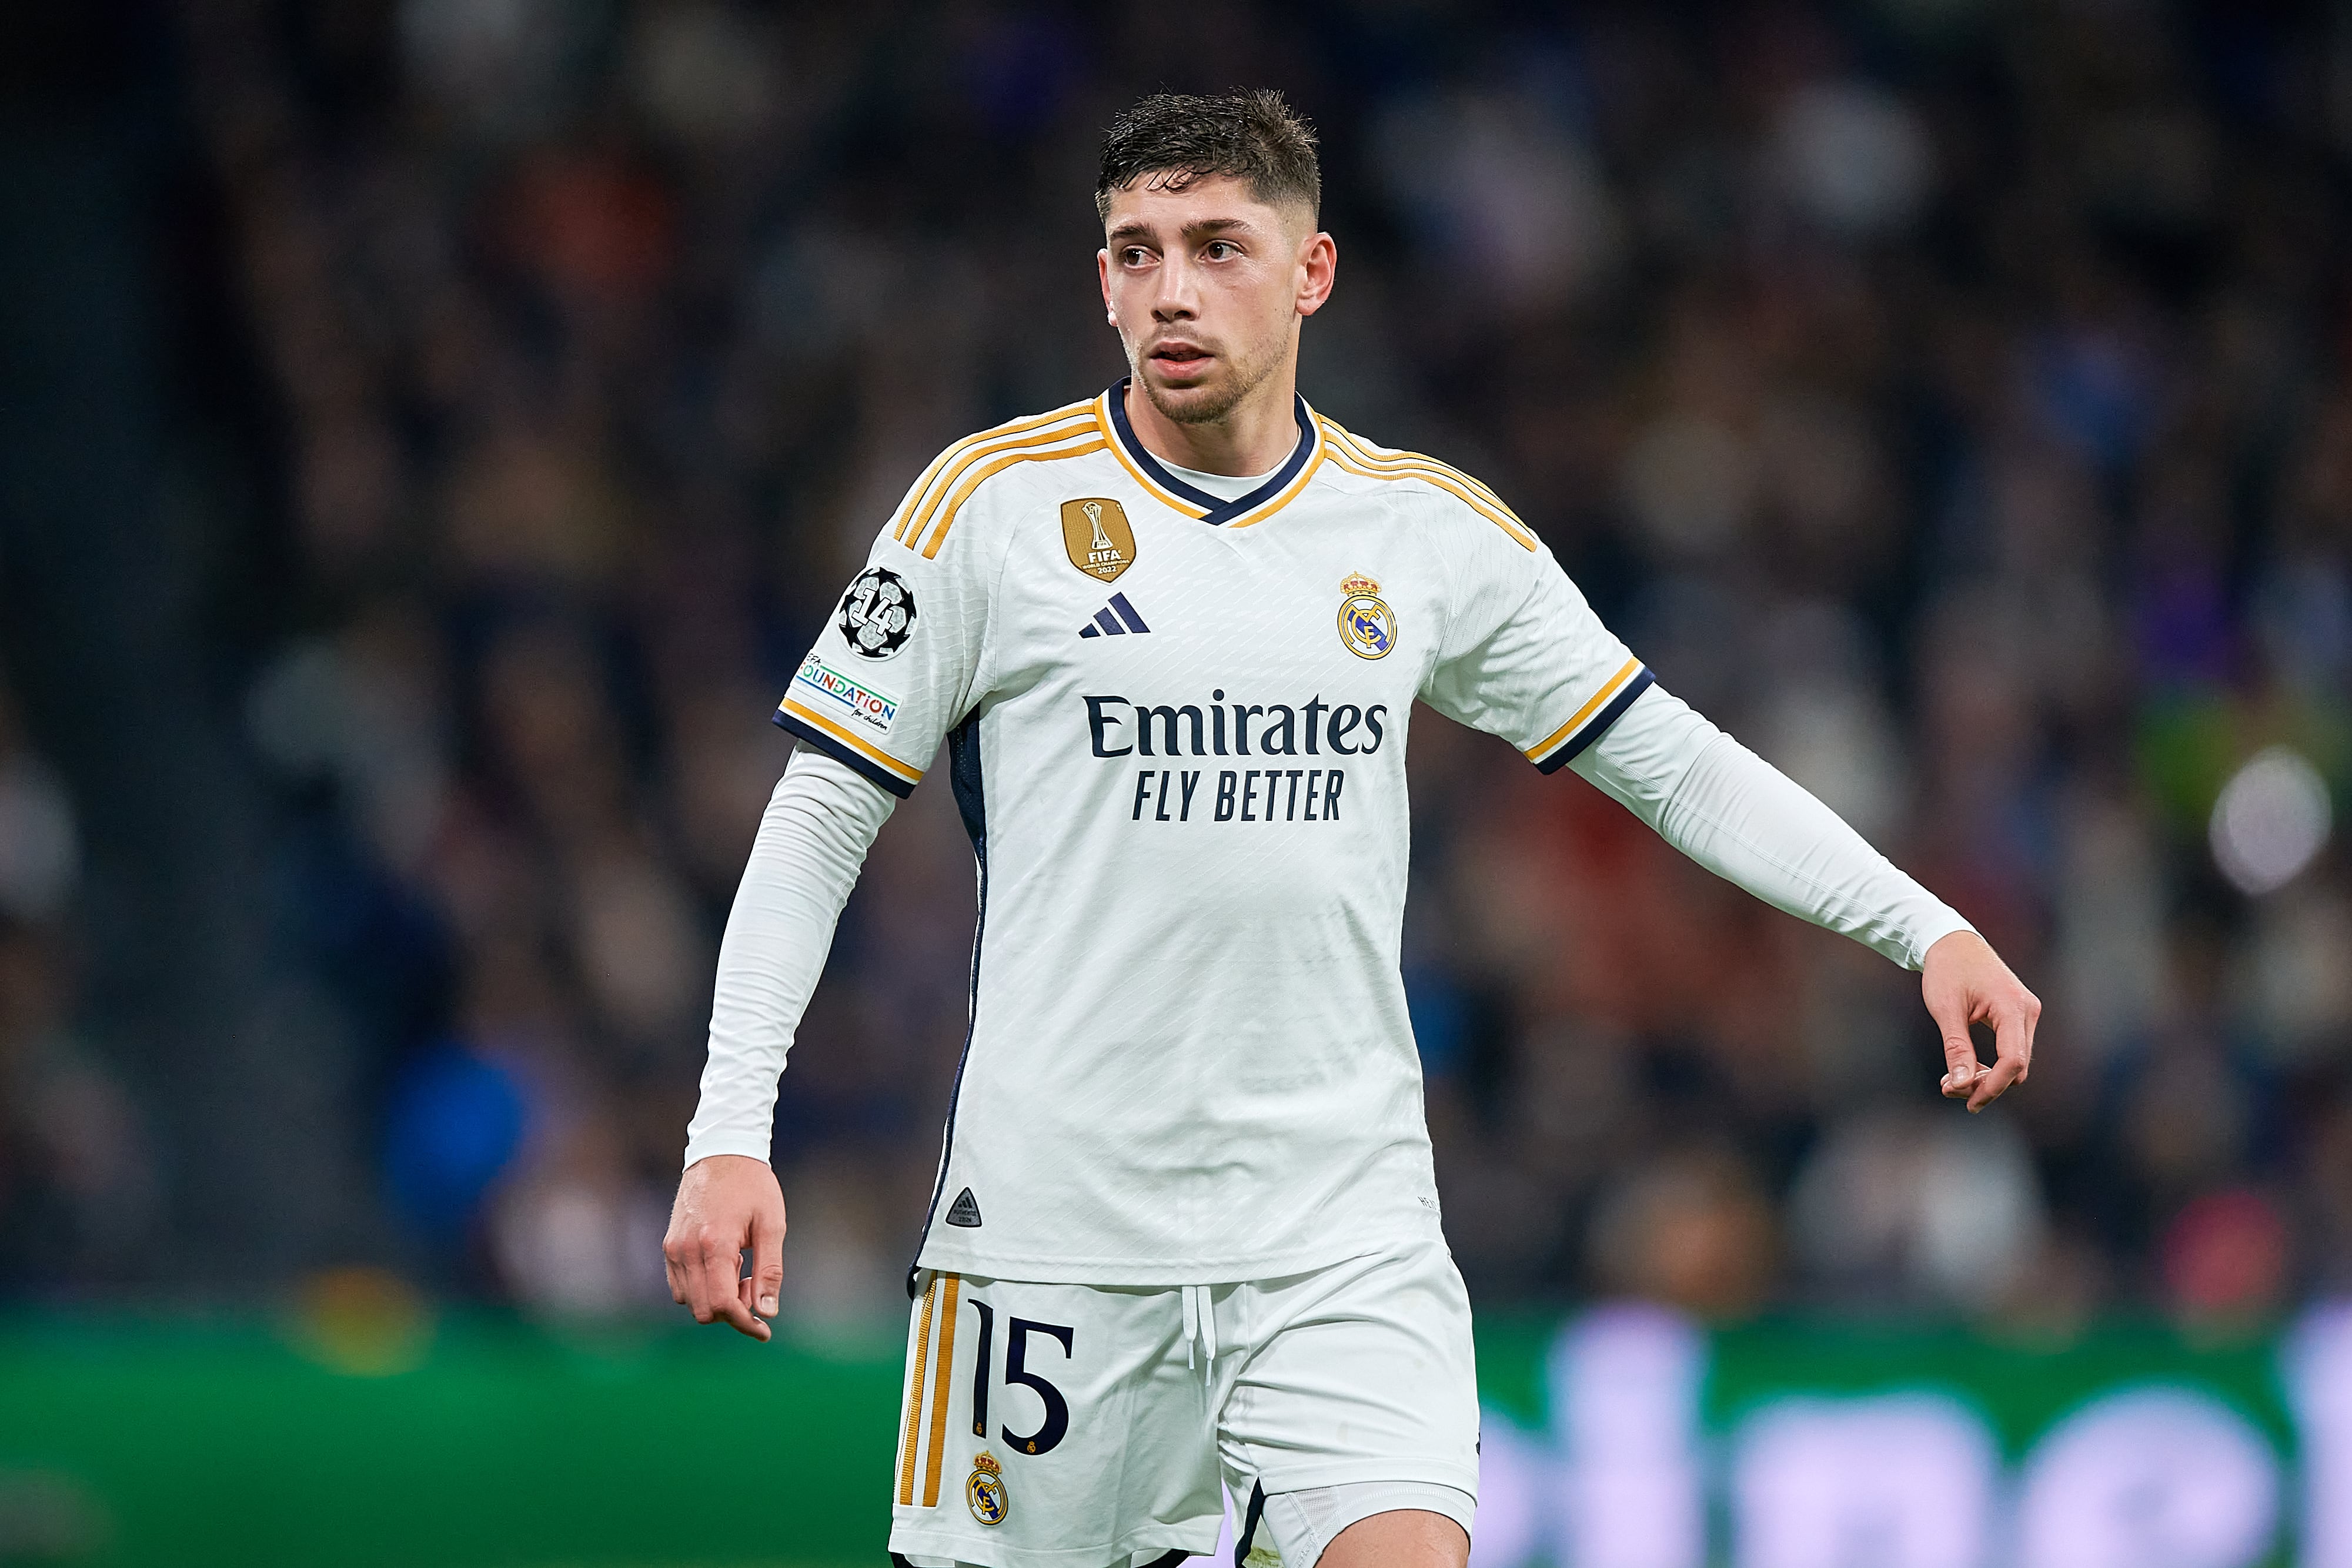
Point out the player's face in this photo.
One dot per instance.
(1207, 285)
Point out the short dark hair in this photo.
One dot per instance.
(1251, 135)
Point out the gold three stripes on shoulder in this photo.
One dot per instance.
(1075, 430)
(930, 509)
(1356, 455)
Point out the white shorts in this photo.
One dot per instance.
(1090, 1425)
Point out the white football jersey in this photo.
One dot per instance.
(1176, 728)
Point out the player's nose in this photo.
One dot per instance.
(1176, 299)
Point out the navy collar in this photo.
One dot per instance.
(1214, 509)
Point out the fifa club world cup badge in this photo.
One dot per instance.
(1366, 626)
(985, 1491)
(1095, 532)
(877, 614)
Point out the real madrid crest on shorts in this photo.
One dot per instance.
(985, 1491)
(1095, 532)
(1366, 626)
(877, 614)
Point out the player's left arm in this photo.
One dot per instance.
(1522, 655)
(1746, 820)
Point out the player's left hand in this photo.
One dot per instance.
(1965, 982)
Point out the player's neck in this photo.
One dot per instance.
(1254, 437)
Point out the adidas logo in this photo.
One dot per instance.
(1115, 622)
(965, 1210)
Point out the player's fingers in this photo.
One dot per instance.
(749, 1306)
(722, 1270)
(2032, 1021)
(767, 1276)
(2011, 1054)
(694, 1275)
(745, 1322)
(1960, 1067)
(742, 1319)
(718, 1265)
(1992, 1083)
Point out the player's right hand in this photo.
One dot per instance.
(726, 1203)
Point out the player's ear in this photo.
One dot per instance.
(1318, 266)
(1102, 279)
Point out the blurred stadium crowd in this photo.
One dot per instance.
(1950, 398)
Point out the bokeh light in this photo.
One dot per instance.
(2271, 820)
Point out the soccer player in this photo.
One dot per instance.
(1184, 1228)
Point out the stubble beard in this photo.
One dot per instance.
(1208, 404)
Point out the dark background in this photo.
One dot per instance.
(430, 431)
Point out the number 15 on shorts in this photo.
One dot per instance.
(1018, 1343)
(1031, 1350)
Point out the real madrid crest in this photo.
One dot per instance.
(1095, 533)
(985, 1491)
(1366, 625)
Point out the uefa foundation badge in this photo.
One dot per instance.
(1366, 626)
(985, 1491)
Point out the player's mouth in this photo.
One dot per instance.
(1181, 361)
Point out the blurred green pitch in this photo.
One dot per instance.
(472, 1443)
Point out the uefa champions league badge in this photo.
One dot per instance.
(877, 614)
(1366, 625)
(985, 1491)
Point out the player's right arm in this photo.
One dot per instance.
(896, 666)
(812, 841)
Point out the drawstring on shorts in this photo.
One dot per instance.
(1200, 1325)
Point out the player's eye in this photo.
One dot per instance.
(1134, 255)
(1220, 250)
